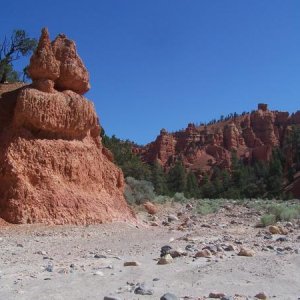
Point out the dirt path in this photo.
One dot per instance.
(68, 262)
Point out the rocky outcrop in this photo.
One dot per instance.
(43, 64)
(58, 64)
(252, 136)
(73, 74)
(53, 166)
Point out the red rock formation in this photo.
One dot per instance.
(253, 136)
(73, 74)
(43, 64)
(53, 167)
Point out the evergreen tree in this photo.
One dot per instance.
(159, 179)
(11, 49)
(130, 163)
(177, 178)
(192, 188)
(275, 176)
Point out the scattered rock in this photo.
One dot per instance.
(150, 208)
(281, 239)
(49, 267)
(172, 218)
(169, 296)
(261, 295)
(154, 224)
(131, 264)
(246, 252)
(111, 298)
(99, 256)
(216, 295)
(165, 250)
(277, 230)
(177, 253)
(204, 253)
(142, 290)
(190, 248)
(229, 248)
(99, 273)
(167, 259)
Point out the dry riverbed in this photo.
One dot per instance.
(202, 258)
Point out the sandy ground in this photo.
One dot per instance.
(69, 262)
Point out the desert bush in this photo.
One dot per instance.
(162, 199)
(267, 220)
(179, 197)
(208, 206)
(138, 191)
(284, 212)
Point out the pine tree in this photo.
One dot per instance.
(159, 179)
(192, 188)
(177, 178)
(275, 176)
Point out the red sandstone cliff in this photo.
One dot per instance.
(252, 136)
(53, 167)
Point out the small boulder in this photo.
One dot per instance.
(150, 208)
(277, 230)
(169, 296)
(142, 290)
(261, 296)
(246, 252)
(131, 264)
(167, 259)
(165, 250)
(172, 218)
(204, 253)
(216, 295)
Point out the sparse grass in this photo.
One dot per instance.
(208, 206)
(267, 220)
(284, 211)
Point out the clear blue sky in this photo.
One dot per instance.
(164, 63)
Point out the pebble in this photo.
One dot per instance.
(190, 248)
(169, 296)
(277, 230)
(172, 218)
(165, 250)
(167, 259)
(216, 295)
(203, 253)
(49, 268)
(261, 295)
(99, 273)
(142, 290)
(281, 239)
(131, 264)
(99, 256)
(111, 298)
(246, 252)
(229, 248)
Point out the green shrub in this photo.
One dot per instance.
(267, 220)
(179, 197)
(138, 191)
(284, 212)
(208, 206)
(162, 199)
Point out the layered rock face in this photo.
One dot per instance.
(53, 167)
(252, 136)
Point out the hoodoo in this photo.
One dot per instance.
(53, 166)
